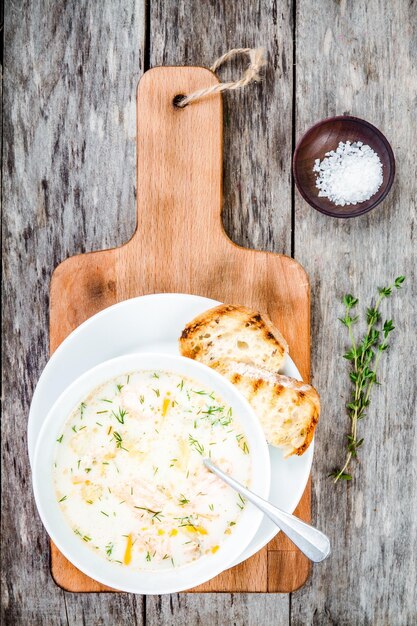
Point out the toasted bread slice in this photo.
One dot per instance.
(234, 332)
(287, 408)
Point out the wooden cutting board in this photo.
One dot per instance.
(180, 246)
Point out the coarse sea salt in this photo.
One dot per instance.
(350, 174)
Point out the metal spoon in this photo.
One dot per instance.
(313, 543)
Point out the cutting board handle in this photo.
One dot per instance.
(179, 159)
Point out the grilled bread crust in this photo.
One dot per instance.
(235, 332)
(287, 408)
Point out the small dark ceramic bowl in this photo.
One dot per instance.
(325, 136)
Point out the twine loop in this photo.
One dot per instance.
(252, 74)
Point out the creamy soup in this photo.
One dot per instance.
(129, 474)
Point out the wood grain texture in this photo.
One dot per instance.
(367, 68)
(70, 75)
(351, 57)
(180, 247)
(237, 609)
(256, 152)
(257, 120)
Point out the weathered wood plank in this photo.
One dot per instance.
(69, 184)
(242, 609)
(256, 185)
(105, 609)
(360, 58)
(258, 119)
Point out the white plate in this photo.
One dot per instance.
(153, 323)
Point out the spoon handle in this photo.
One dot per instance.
(312, 542)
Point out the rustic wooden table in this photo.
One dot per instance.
(68, 186)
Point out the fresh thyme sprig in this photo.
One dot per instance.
(364, 356)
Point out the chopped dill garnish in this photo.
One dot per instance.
(242, 443)
(166, 556)
(127, 379)
(180, 385)
(242, 501)
(86, 538)
(78, 463)
(105, 400)
(155, 514)
(100, 412)
(103, 513)
(183, 500)
(59, 440)
(62, 499)
(120, 416)
(232, 523)
(119, 441)
(142, 399)
(77, 532)
(105, 463)
(88, 470)
(99, 424)
(185, 521)
(119, 388)
(155, 469)
(225, 421)
(196, 445)
(74, 428)
(211, 410)
(89, 501)
(82, 427)
(109, 549)
(216, 415)
(172, 561)
(83, 406)
(157, 392)
(148, 556)
(211, 507)
(155, 375)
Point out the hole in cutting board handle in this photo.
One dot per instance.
(177, 99)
